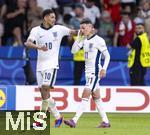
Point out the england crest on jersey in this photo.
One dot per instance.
(90, 46)
(55, 35)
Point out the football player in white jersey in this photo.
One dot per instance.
(46, 38)
(93, 46)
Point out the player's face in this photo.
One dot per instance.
(125, 19)
(50, 19)
(86, 29)
(139, 29)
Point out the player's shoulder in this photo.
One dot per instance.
(36, 28)
(97, 37)
(99, 40)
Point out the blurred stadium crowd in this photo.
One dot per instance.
(113, 19)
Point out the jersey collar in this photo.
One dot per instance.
(42, 26)
(91, 36)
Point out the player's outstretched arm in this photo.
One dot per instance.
(30, 44)
(75, 47)
(73, 32)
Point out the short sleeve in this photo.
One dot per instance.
(101, 45)
(65, 31)
(33, 34)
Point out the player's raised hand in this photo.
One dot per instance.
(80, 36)
(102, 73)
(80, 33)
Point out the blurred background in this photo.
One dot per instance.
(114, 20)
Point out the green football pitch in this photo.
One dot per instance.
(121, 124)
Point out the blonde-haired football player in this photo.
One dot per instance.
(93, 46)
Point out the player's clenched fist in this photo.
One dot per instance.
(102, 73)
(43, 48)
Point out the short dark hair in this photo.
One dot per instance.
(91, 1)
(139, 21)
(78, 5)
(125, 13)
(86, 21)
(46, 12)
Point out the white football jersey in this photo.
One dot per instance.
(51, 38)
(92, 53)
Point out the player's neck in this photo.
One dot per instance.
(46, 25)
(91, 35)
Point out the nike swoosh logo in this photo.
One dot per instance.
(41, 36)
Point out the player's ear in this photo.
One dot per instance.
(45, 17)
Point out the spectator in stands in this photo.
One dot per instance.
(78, 16)
(106, 29)
(127, 9)
(130, 3)
(144, 13)
(80, 1)
(114, 7)
(92, 12)
(139, 58)
(65, 2)
(79, 56)
(34, 14)
(104, 4)
(2, 8)
(66, 19)
(2, 13)
(145, 9)
(15, 21)
(124, 31)
(47, 4)
(1, 31)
